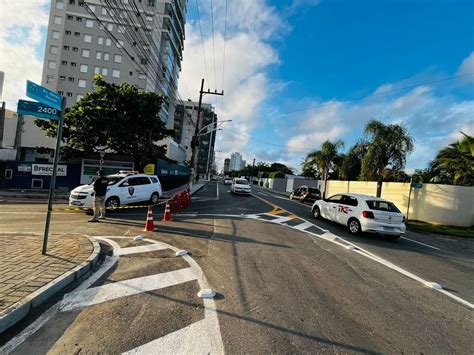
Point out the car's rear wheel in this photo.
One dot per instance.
(354, 226)
(112, 203)
(154, 198)
(393, 237)
(316, 212)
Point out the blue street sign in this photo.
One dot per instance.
(37, 109)
(416, 185)
(41, 94)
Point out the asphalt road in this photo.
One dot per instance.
(279, 290)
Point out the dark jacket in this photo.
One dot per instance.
(100, 186)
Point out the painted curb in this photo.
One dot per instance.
(19, 310)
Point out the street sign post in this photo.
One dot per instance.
(37, 109)
(43, 95)
(416, 185)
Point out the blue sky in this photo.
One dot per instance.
(293, 66)
(325, 52)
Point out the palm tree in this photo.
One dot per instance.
(456, 162)
(324, 159)
(389, 146)
(351, 165)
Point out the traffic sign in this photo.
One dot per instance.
(41, 94)
(416, 185)
(36, 109)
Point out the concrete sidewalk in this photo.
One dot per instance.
(28, 278)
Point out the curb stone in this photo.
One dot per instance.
(19, 310)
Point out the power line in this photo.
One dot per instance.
(202, 41)
(264, 142)
(375, 94)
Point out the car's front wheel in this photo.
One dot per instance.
(393, 237)
(154, 198)
(354, 226)
(316, 212)
(112, 203)
(292, 195)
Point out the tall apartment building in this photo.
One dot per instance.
(185, 119)
(139, 42)
(226, 165)
(236, 162)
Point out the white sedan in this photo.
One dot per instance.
(362, 213)
(240, 186)
(124, 188)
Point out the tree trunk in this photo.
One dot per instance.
(379, 186)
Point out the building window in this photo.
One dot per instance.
(62, 78)
(52, 64)
(83, 68)
(89, 23)
(78, 19)
(71, 79)
(108, 42)
(104, 11)
(96, 70)
(64, 62)
(105, 71)
(151, 3)
(68, 33)
(56, 35)
(36, 183)
(92, 7)
(77, 34)
(100, 40)
(75, 49)
(61, 93)
(79, 96)
(120, 44)
(81, 83)
(69, 94)
(87, 38)
(118, 58)
(72, 2)
(49, 79)
(125, 2)
(70, 17)
(58, 20)
(66, 48)
(143, 61)
(116, 73)
(73, 64)
(149, 18)
(101, 26)
(131, 73)
(110, 27)
(121, 29)
(85, 53)
(59, 5)
(106, 56)
(53, 49)
(98, 55)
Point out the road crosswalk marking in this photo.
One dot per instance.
(303, 226)
(140, 249)
(109, 292)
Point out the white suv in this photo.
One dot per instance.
(124, 188)
(362, 213)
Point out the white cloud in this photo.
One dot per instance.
(20, 37)
(467, 68)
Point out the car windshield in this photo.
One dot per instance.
(314, 191)
(382, 206)
(241, 182)
(113, 179)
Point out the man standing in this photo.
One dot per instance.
(100, 189)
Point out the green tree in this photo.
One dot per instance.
(120, 117)
(456, 162)
(308, 168)
(351, 165)
(324, 159)
(388, 146)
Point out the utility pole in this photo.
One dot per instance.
(195, 140)
(2, 123)
(253, 170)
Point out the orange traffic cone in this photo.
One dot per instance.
(167, 215)
(149, 225)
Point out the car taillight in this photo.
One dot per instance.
(368, 214)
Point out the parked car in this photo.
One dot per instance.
(124, 188)
(362, 213)
(306, 194)
(227, 181)
(240, 186)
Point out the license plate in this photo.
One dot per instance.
(389, 228)
(76, 203)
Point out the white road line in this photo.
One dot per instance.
(280, 220)
(109, 292)
(303, 226)
(51, 312)
(139, 249)
(217, 189)
(426, 245)
(192, 339)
